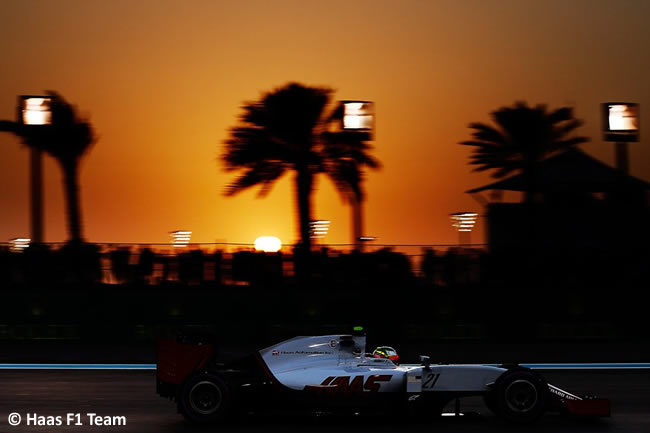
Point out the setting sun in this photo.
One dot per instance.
(268, 244)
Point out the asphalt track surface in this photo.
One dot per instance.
(131, 394)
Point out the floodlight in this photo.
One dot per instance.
(35, 110)
(464, 223)
(358, 115)
(180, 238)
(319, 228)
(19, 244)
(621, 121)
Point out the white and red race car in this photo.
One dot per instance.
(332, 373)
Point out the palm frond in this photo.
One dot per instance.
(262, 173)
(347, 177)
(486, 133)
(567, 127)
(562, 114)
(522, 137)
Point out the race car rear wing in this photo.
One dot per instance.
(177, 360)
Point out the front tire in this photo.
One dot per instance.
(205, 398)
(519, 396)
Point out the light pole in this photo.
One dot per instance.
(621, 125)
(358, 118)
(464, 223)
(35, 112)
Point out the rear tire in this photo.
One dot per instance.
(519, 396)
(204, 399)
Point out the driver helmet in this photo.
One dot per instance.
(386, 352)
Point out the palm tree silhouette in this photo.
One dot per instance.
(345, 156)
(287, 130)
(523, 137)
(67, 139)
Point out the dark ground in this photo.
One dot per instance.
(132, 394)
(575, 351)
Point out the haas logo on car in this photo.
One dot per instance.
(346, 386)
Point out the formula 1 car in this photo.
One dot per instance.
(333, 373)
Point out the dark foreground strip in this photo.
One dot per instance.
(583, 366)
(77, 366)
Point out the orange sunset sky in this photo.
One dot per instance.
(162, 81)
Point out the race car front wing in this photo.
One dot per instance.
(576, 405)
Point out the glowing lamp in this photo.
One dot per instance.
(268, 244)
(319, 228)
(358, 115)
(19, 244)
(621, 121)
(180, 238)
(464, 223)
(35, 110)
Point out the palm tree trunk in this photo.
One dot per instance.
(36, 193)
(302, 254)
(357, 222)
(303, 186)
(73, 206)
(530, 179)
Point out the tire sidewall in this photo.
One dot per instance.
(190, 386)
(504, 410)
